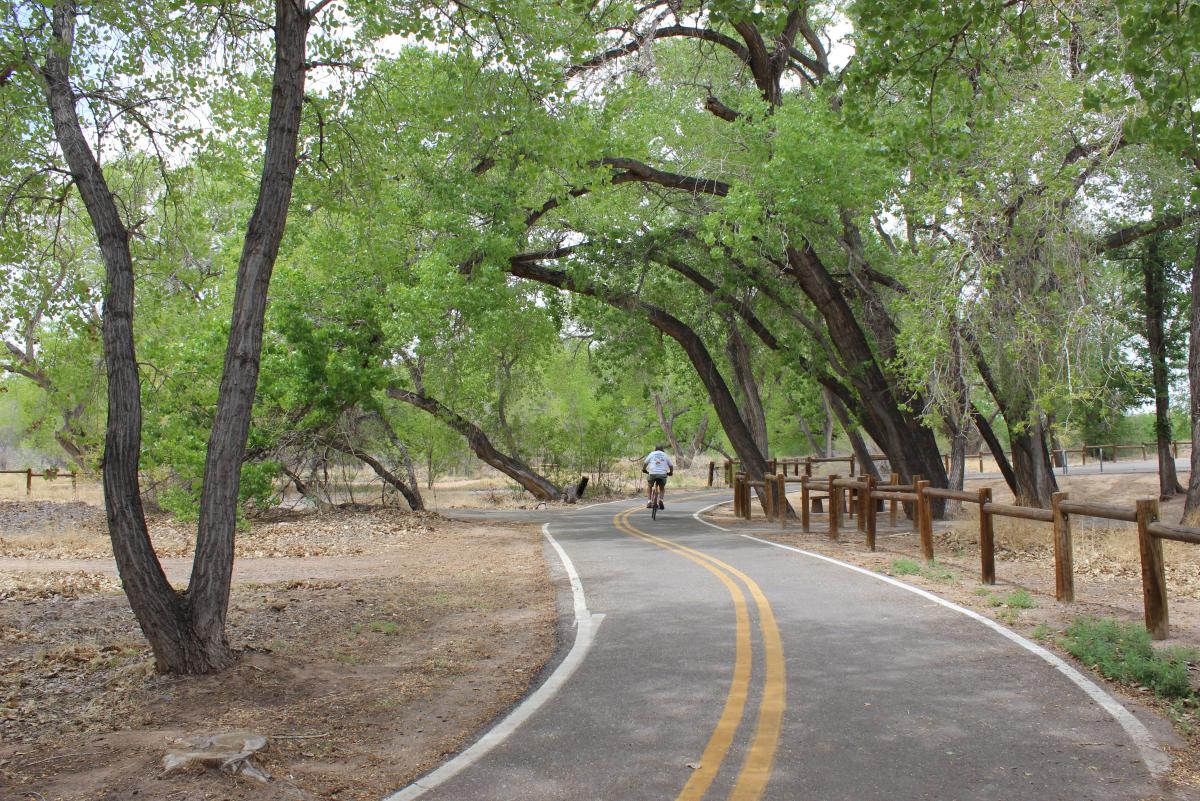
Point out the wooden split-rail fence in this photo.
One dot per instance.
(794, 465)
(863, 499)
(49, 474)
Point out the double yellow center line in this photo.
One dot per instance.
(756, 767)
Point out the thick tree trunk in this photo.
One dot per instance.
(828, 399)
(1030, 476)
(539, 486)
(1155, 285)
(1191, 508)
(162, 613)
(212, 569)
(984, 426)
(1031, 465)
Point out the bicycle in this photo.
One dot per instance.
(655, 498)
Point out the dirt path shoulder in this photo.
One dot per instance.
(386, 645)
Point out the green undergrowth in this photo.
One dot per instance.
(1123, 652)
(930, 570)
(1017, 599)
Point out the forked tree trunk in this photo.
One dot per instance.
(186, 630)
(539, 486)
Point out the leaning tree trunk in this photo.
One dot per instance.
(1191, 508)
(753, 412)
(539, 486)
(908, 443)
(857, 443)
(1154, 281)
(411, 494)
(735, 428)
(186, 630)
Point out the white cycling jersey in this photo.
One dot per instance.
(658, 464)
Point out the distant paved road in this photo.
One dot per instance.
(726, 668)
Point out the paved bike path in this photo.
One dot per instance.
(707, 636)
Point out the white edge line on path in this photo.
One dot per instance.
(1155, 760)
(585, 632)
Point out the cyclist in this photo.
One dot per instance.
(657, 466)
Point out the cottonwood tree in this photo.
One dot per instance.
(100, 74)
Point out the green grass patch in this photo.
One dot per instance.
(911, 567)
(1042, 632)
(1019, 599)
(1123, 652)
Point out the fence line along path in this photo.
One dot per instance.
(862, 499)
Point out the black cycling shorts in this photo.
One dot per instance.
(659, 480)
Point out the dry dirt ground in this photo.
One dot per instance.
(1107, 577)
(372, 644)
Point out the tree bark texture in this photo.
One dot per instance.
(212, 568)
(1155, 287)
(740, 359)
(1191, 508)
(539, 486)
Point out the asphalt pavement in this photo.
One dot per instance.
(700, 664)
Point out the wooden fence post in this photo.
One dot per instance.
(835, 509)
(804, 503)
(981, 461)
(738, 491)
(1154, 579)
(1083, 454)
(987, 539)
(712, 471)
(893, 479)
(781, 498)
(864, 500)
(1064, 558)
(925, 521)
(852, 465)
(870, 513)
(28, 480)
(770, 502)
(808, 467)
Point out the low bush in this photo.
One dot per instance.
(1123, 652)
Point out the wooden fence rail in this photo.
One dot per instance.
(49, 474)
(862, 498)
(806, 463)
